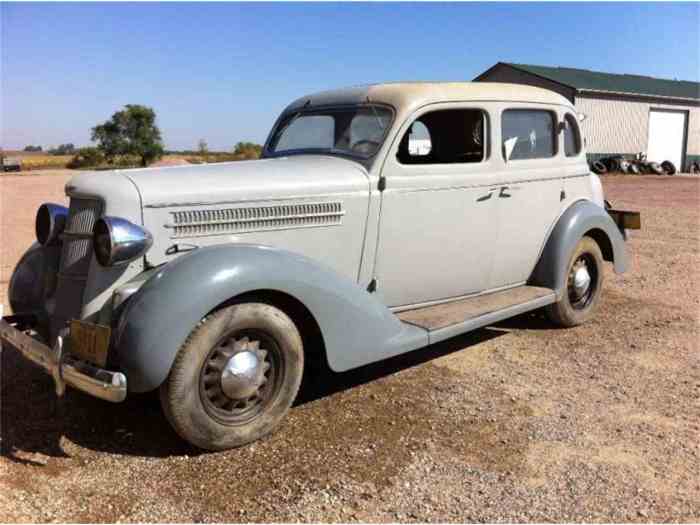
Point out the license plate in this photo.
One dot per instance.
(89, 342)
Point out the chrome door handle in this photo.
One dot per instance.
(486, 196)
(503, 194)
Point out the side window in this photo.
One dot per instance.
(310, 131)
(527, 134)
(572, 136)
(446, 136)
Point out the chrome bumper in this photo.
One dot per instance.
(65, 370)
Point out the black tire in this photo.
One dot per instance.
(193, 397)
(694, 168)
(615, 164)
(633, 169)
(669, 167)
(573, 308)
(599, 168)
(656, 168)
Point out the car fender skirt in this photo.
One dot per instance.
(357, 329)
(580, 219)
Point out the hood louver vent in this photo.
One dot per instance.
(197, 223)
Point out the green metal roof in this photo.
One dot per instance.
(584, 80)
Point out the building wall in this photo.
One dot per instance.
(504, 73)
(620, 125)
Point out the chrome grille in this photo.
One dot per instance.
(76, 255)
(196, 223)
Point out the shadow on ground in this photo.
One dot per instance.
(33, 420)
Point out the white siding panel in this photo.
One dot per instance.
(617, 125)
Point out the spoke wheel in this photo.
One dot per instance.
(582, 285)
(582, 280)
(240, 376)
(235, 377)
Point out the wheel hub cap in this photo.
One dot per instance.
(581, 281)
(242, 375)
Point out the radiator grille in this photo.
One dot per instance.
(197, 223)
(77, 236)
(76, 255)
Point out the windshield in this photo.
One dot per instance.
(358, 131)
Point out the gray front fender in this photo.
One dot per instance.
(357, 329)
(581, 218)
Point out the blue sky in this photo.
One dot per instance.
(222, 72)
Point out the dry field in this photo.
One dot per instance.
(516, 422)
(39, 160)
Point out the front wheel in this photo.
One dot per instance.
(584, 284)
(235, 377)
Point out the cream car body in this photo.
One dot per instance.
(361, 246)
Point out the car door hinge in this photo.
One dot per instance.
(562, 195)
(372, 286)
(381, 186)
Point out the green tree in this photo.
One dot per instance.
(131, 131)
(247, 150)
(32, 148)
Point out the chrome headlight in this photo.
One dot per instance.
(50, 222)
(117, 241)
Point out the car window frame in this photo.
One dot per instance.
(445, 106)
(578, 135)
(555, 133)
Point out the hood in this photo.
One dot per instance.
(282, 177)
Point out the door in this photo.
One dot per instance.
(438, 223)
(531, 176)
(666, 136)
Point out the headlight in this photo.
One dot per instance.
(50, 221)
(117, 241)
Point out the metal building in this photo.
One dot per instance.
(625, 114)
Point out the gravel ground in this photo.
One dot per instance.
(516, 422)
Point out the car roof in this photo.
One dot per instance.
(404, 96)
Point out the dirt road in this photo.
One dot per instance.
(516, 422)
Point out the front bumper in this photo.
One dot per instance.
(65, 370)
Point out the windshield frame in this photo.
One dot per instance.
(288, 116)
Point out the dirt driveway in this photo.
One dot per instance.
(516, 422)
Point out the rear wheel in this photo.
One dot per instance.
(235, 377)
(584, 284)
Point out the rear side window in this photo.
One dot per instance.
(572, 136)
(527, 134)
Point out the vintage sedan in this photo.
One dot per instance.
(380, 219)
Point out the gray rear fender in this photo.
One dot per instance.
(580, 219)
(356, 328)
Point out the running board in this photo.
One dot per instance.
(447, 320)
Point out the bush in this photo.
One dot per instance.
(32, 149)
(247, 150)
(87, 158)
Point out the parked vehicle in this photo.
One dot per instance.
(347, 242)
(10, 164)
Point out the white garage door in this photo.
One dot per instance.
(666, 134)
